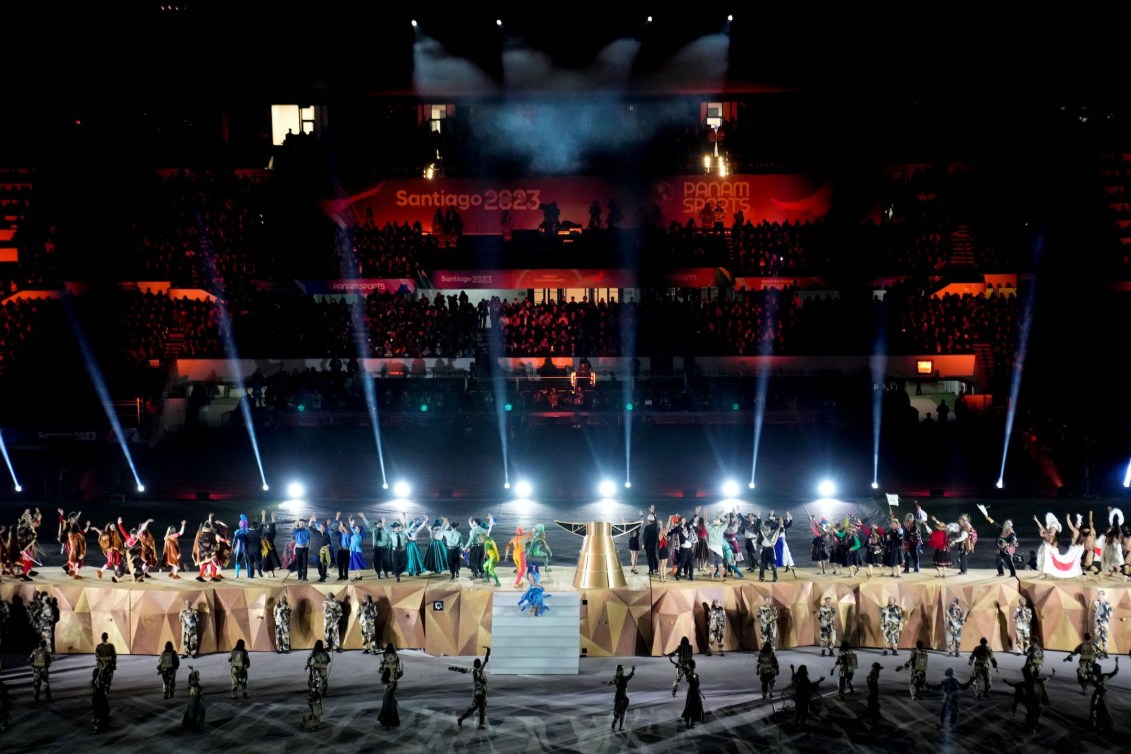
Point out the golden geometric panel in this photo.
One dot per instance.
(989, 607)
(1059, 611)
(463, 626)
(616, 622)
(155, 616)
(673, 618)
(109, 611)
(306, 613)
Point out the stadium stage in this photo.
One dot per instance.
(644, 618)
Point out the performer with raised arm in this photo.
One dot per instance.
(680, 657)
(171, 551)
(73, 538)
(268, 530)
(1050, 546)
(917, 663)
(110, 542)
(479, 698)
(950, 687)
(1098, 714)
(1006, 543)
(538, 554)
(893, 547)
(1085, 537)
(620, 696)
(1087, 652)
(436, 556)
(414, 564)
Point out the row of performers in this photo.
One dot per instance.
(852, 544)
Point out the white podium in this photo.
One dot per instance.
(522, 644)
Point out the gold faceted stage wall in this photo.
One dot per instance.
(445, 617)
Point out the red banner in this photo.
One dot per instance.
(521, 279)
(481, 203)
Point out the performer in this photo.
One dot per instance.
(357, 559)
(873, 712)
(40, 662)
(313, 721)
(850, 541)
(1085, 538)
(917, 663)
(873, 546)
(283, 625)
(534, 599)
(73, 538)
(367, 619)
(782, 556)
(913, 538)
(479, 699)
(716, 626)
(415, 561)
(893, 547)
(981, 659)
(1098, 714)
(768, 535)
(490, 558)
(391, 661)
(680, 657)
(194, 714)
(892, 619)
(318, 666)
(398, 548)
(190, 631)
(950, 687)
(516, 550)
(436, 557)
(240, 661)
(650, 537)
(171, 552)
(100, 702)
(1006, 543)
(476, 534)
(205, 552)
(27, 539)
(955, 619)
(1049, 531)
(455, 552)
(268, 530)
(1022, 625)
(382, 543)
(822, 543)
(943, 538)
(148, 544)
(826, 622)
(620, 697)
(768, 621)
(964, 542)
(1101, 617)
(538, 554)
(135, 549)
(693, 706)
(767, 669)
(110, 542)
(634, 546)
(331, 622)
(106, 659)
(389, 716)
(805, 695)
(846, 662)
(167, 665)
(1088, 652)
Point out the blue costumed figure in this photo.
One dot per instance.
(240, 543)
(537, 552)
(534, 599)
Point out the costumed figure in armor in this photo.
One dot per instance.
(716, 627)
(318, 666)
(767, 669)
(1087, 651)
(680, 657)
(282, 625)
(331, 622)
(846, 663)
(1022, 625)
(917, 664)
(768, 621)
(826, 622)
(981, 659)
(892, 619)
(955, 619)
(367, 619)
(167, 665)
(194, 714)
(190, 631)
(1101, 618)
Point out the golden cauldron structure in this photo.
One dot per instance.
(597, 564)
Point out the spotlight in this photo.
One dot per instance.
(627, 484)
(826, 488)
(999, 484)
(628, 407)
(295, 490)
(19, 488)
(424, 407)
(875, 485)
(730, 488)
(414, 23)
(498, 22)
(506, 485)
(266, 487)
(401, 490)
(385, 486)
(649, 19)
(607, 488)
(523, 488)
(140, 487)
(751, 485)
(507, 407)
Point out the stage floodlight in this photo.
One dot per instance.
(751, 485)
(295, 490)
(730, 488)
(266, 487)
(506, 485)
(401, 490)
(875, 485)
(140, 487)
(627, 484)
(414, 24)
(607, 488)
(19, 488)
(826, 488)
(999, 484)
(523, 488)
